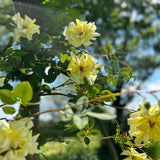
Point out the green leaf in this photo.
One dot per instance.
(81, 133)
(109, 78)
(8, 110)
(108, 69)
(120, 53)
(80, 122)
(91, 123)
(114, 80)
(109, 99)
(115, 66)
(9, 51)
(109, 46)
(66, 117)
(24, 91)
(96, 88)
(19, 53)
(101, 112)
(94, 132)
(65, 57)
(7, 97)
(82, 100)
(86, 140)
(104, 50)
(125, 71)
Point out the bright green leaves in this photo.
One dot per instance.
(109, 99)
(109, 46)
(23, 91)
(65, 57)
(126, 73)
(100, 112)
(8, 110)
(7, 97)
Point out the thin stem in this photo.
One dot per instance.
(93, 100)
(44, 156)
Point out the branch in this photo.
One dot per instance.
(49, 94)
(94, 100)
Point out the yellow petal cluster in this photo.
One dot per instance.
(84, 66)
(16, 140)
(134, 155)
(145, 124)
(24, 27)
(80, 33)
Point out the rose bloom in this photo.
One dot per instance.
(145, 124)
(24, 27)
(80, 33)
(134, 155)
(84, 66)
(16, 140)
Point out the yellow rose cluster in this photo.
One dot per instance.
(24, 27)
(16, 140)
(145, 124)
(84, 66)
(80, 33)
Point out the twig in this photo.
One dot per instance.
(93, 100)
(44, 156)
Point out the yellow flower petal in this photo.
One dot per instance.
(84, 66)
(80, 33)
(16, 139)
(145, 124)
(24, 27)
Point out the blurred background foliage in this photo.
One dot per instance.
(131, 26)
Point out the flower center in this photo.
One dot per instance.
(81, 68)
(151, 124)
(134, 158)
(25, 27)
(80, 33)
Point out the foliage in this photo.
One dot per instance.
(35, 56)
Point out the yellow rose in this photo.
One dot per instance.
(145, 124)
(24, 27)
(80, 33)
(84, 66)
(18, 140)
